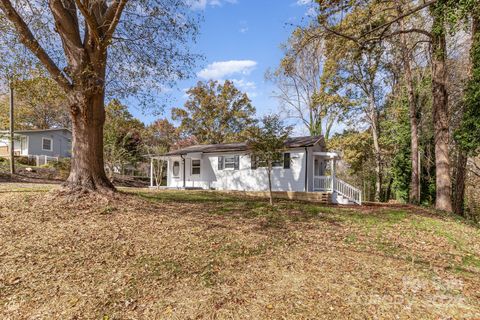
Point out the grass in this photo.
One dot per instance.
(203, 255)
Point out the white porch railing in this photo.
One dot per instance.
(322, 183)
(326, 183)
(347, 190)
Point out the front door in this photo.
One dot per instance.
(319, 166)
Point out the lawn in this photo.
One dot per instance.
(207, 255)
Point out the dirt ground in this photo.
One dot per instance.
(206, 255)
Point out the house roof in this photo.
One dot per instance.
(37, 130)
(42, 130)
(296, 142)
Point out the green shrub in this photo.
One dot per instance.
(25, 160)
(62, 166)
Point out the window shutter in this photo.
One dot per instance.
(237, 162)
(220, 163)
(253, 160)
(286, 160)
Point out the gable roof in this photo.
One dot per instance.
(296, 142)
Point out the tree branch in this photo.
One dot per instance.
(66, 23)
(342, 35)
(399, 32)
(27, 38)
(112, 18)
(90, 20)
(385, 27)
(406, 14)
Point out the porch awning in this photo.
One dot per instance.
(159, 157)
(329, 155)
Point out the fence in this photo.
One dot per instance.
(42, 160)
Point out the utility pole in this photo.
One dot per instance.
(12, 143)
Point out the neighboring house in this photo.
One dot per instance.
(46, 142)
(306, 167)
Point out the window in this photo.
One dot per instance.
(47, 144)
(195, 166)
(283, 161)
(176, 168)
(286, 160)
(279, 162)
(229, 162)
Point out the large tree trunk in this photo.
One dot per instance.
(415, 160)
(414, 196)
(388, 191)
(377, 150)
(269, 173)
(83, 79)
(443, 199)
(461, 166)
(88, 172)
(460, 177)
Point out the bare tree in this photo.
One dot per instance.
(301, 88)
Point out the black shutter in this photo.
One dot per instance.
(237, 162)
(286, 160)
(253, 160)
(220, 163)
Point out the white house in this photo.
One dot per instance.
(306, 167)
(39, 143)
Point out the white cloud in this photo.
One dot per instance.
(311, 12)
(243, 26)
(202, 4)
(310, 5)
(244, 85)
(303, 2)
(221, 69)
(249, 87)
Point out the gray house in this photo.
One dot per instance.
(55, 143)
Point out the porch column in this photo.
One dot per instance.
(332, 163)
(151, 172)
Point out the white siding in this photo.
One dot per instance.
(20, 144)
(245, 178)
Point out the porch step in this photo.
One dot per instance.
(325, 198)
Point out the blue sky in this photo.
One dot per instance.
(240, 40)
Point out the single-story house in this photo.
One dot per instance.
(306, 167)
(56, 143)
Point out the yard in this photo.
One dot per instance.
(205, 255)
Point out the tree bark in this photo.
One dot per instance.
(443, 200)
(88, 171)
(377, 151)
(414, 196)
(269, 172)
(460, 177)
(83, 80)
(388, 192)
(461, 166)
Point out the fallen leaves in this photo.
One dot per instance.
(206, 256)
